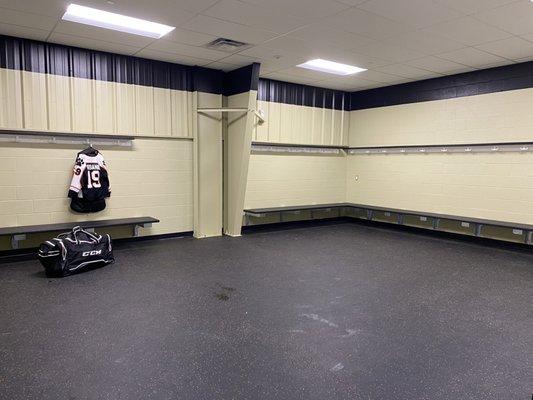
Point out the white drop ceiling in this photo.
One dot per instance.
(396, 40)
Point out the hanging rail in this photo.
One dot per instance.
(446, 148)
(258, 113)
(27, 136)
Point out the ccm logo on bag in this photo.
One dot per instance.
(91, 253)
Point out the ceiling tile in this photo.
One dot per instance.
(473, 6)
(322, 35)
(425, 42)
(352, 58)
(252, 15)
(264, 51)
(194, 6)
(23, 32)
(352, 2)
(221, 66)
(345, 87)
(353, 82)
(289, 78)
(186, 50)
(306, 73)
(191, 38)
(238, 60)
(473, 57)
(26, 19)
(376, 76)
(513, 48)
(407, 71)
(365, 23)
(173, 58)
(527, 59)
(292, 45)
(228, 30)
(162, 11)
(303, 8)
(106, 35)
(51, 8)
(439, 65)
(92, 44)
(416, 13)
(389, 52)
(516, 17)
(468, 31)
(270, 59)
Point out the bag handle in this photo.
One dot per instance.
(78, 229)
(75, 232)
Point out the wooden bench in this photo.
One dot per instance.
(18, 233)
(477, 223)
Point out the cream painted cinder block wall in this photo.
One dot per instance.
(154, 178)
(495, 186)
(41, 102)
(237, 146)
(281, 179)
(482, 185)
(294, 124)
(487, 118)
(295, 179)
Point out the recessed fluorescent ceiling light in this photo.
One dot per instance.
(117, 22)
(331, 67)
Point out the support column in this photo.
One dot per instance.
(241, 90)
(207, 154)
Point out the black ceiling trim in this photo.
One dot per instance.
(56, 59)
(491, 80)
(50, 58)
(241, 80)
(302, 95)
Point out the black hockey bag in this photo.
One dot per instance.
(73, 251)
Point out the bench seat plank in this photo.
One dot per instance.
(295, 208)
(18, 230)
(478, 221)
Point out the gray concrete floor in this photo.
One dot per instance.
(329, 312)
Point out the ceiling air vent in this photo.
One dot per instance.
(227, 45)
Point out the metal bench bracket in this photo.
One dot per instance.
(136, 228)
(15, 239)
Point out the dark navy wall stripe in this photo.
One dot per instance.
(509, 77)
(56, 59)
(303, 95)
(35, 56)
(241, 80)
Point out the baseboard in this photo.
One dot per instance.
(277, 226)
(485, 241)
(9, 256)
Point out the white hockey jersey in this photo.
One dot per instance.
(90, 182)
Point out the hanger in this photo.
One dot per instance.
(90, 151)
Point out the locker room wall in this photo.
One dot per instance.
(281, 179)
(297, 124)
(43, 102)
(46, 87)
(154, 178)
(495, 186)
(301, 114)
(298, 114)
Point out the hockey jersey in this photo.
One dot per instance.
(90, 182)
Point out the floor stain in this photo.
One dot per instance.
(224, 294)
